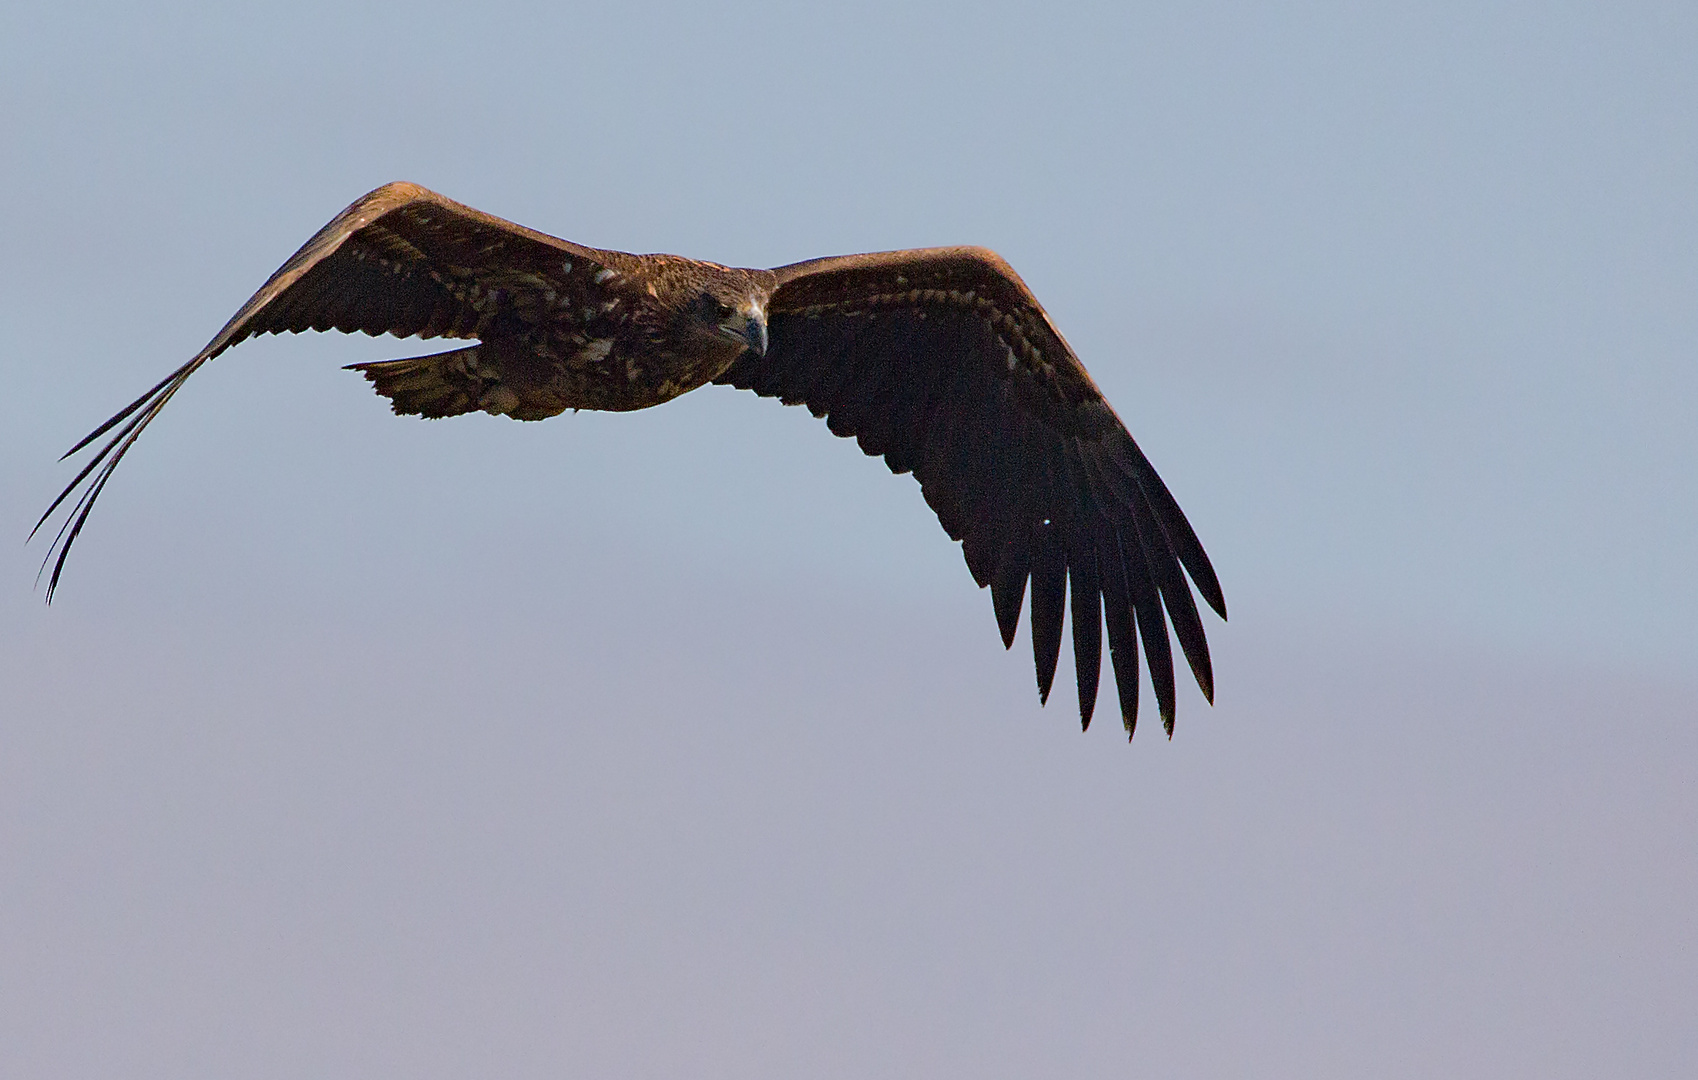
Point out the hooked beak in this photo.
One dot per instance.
(748, 329)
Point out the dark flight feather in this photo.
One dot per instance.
(1086, 600)
(939, 360)
(1117, 616)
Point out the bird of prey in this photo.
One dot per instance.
(939, 359)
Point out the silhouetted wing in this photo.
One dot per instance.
(942, 361)
(403, 261)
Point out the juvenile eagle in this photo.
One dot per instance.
(941, 360)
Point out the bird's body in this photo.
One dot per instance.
(940, 360)
(548, 343)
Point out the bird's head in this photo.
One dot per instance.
(733, 312)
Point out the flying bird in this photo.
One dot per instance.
(938, 359)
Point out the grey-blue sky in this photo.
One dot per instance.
(1400, 304)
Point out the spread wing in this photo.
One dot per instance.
(942, 361)
(403, 261)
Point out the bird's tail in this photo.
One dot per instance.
(442, 384)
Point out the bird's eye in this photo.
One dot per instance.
(722, 310)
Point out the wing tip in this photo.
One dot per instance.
(1209, 589)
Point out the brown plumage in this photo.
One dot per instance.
(940, 360)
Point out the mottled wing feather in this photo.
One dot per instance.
(402, 260)
(943, 362)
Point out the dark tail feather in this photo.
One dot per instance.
(442, 384)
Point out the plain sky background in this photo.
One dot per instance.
(679, 743)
